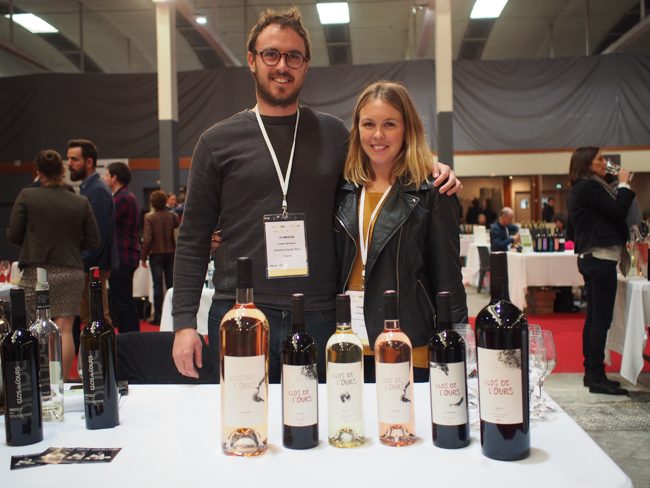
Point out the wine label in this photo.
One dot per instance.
(344, 393)
(299, 395)
(394, 392)
(448, 393)
(245, 390)
(44, 361)
(42, 300)
(19, 389)
(93, 377)
(500, 386)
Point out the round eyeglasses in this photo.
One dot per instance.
(271, 57)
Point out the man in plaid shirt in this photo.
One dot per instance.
(127, 240)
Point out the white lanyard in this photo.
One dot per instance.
(284, 181)
(364, 239)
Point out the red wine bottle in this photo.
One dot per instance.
(299, 382)
(20, 374)
(448, 381)
(98, 361)
(502, 357)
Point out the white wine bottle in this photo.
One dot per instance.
(50, 356)
(244, 355)
(344, 381)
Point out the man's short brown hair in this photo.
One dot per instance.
(88, 149)
(288, 18)
(158, 199)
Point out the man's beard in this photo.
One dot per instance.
(261, 86)
(78, 175)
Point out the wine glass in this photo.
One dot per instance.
(5, 269)
(467, 333)
(536, 369)
(534, 329)
(551, 360)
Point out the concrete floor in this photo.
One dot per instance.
(620, 425)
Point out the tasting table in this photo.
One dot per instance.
(169, 435)
(540, 269)
(465, 241)
(627, 334)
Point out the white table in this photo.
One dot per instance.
(166, 321)
(170, 437)
(465, 241)
(473, 264)
(540, 269)
(627, 335)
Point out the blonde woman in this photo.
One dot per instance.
(394, 230)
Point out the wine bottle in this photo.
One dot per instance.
(20, 375)
(562, 240)
(394, 378)
(50, 355)
(4, 330)
(448, 381)
(244, 355)
(502, 357)
(299, 382)
(344, 381)
(98, 361)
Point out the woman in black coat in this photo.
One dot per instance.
(597, 226)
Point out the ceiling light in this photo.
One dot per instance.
(487, 9)
(333, 13)
(201, 19)
(33, 24)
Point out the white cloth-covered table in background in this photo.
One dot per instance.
(472, 266)
(170, 437)
(166, 322)
(465, 241)
(540, 269)
(628, 335)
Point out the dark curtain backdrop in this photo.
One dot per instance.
(498, 105)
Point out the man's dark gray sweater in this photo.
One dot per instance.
(233, 183)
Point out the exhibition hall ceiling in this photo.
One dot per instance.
(119, 36)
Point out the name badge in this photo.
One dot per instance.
(286, 246)
(358, 319)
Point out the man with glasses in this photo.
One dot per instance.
(278, 163)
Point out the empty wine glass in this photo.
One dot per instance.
(5, 269)
(551, 360)
(534, 329)
(536, 369)
(467, 333)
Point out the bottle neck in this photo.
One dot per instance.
(297, 327)
(244, 296)
(444, 325)
(499, 290)
(96, 306)
(43, 305)
(18, 321)
(343, 327)
(391, 324)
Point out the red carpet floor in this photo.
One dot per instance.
(567, 332)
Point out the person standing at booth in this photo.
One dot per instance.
(597, 227)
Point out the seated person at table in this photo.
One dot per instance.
(503, 233)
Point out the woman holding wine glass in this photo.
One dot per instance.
(597, 226)
(52, 225)
(394, 231)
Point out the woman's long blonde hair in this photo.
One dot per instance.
(414, 161)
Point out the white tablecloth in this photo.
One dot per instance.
(465, 241)
(170, 437)
(472, 265)
(166, 322)
(627, 335)
(540, 269)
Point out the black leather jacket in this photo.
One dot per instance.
(414, 249)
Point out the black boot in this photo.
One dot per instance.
(586, 377)
(598, 383)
